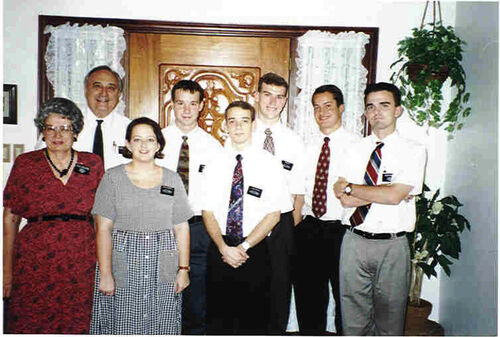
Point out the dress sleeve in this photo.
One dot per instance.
(12, 194)
(181, 210)
(105, 198)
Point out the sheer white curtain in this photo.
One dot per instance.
(74, 50)
(327, 58)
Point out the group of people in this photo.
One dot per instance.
(132, 229)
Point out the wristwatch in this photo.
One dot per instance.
(245, 245)
(348, 189)
(188, 268)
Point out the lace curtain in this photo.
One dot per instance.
(327, 58)
(73, 50)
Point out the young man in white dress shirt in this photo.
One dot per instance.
(377, 176)
(103, 87)
(238, 257)
(319, 236)
(181, 136)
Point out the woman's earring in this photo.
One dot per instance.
(74, 139)
(43, 138)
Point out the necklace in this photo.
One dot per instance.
(65, 171)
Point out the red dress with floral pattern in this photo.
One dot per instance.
(54, 261)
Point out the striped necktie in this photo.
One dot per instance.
(371, 176)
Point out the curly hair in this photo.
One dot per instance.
(61, 106)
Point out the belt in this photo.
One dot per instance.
(196, 218)
(377, 236)
(63, 217)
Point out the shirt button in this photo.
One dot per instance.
(146, 276)
(146, 257)
(147, 237)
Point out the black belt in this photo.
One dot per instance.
(63, 217)
(196, 218)
(377, 236)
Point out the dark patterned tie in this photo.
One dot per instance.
(98, 143)
(234, 225)
(321, 180)
(183, 163)
(371, 176)
(268, 142)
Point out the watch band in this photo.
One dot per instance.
(188, 268)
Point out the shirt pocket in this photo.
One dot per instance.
(168, 261)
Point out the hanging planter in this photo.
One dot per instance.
(426, 60)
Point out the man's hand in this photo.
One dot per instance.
(339, 187)
(233, 256)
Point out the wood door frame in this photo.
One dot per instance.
(45, 90)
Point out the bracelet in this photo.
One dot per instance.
(188, 268)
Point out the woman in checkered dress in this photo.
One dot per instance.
(142, 241)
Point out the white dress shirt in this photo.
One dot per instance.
(403, 162)
(202, 147)
(261, 174)
(114, 127)
(340, 140)
(289, 151)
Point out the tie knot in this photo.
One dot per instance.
(327, 140)
(239, 157)
(99, 121)
(379, 145)
(184, 138)
(268, 132)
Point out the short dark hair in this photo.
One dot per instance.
(61, 106)
(156, 129)
(273, 79)
(190, 86)
(242, 105)
(332, 89)
(104, 67)
(384, 86)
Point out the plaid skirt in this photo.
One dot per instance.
(144, 269)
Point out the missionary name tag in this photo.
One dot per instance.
(386, 177)
(256, 192)
(167, 190)
(201, 168)
(287, 165)
(82, 169)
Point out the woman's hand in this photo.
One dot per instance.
(7, 282)
(182, 281)
(107, 285)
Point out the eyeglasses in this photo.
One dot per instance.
(53, 130)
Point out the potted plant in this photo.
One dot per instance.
(426, 60)
(436, 238)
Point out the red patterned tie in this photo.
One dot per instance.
(371, 176)
(321, 180)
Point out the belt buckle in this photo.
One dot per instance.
(65, 217)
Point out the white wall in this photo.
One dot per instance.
(395, 20)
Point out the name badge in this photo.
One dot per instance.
(386, 177)
(201, 168)
(82, 169)
(121, 149)
(287, 165)
(256, 192)
(167, 190)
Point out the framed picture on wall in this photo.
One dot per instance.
(10, 104)
(6, 153)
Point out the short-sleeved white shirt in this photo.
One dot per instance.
(202, 146)
(262, 177)
(403, 162)
(340, 140)
(288, 151)
(114, 127)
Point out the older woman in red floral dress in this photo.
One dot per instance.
(48, 266)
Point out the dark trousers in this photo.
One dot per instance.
(281, 245)
(237, 298)
(317, 264)
(193, 301)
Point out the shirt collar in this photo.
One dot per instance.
(387, 140)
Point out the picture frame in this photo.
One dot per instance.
(6, 153)
(10, 104)
(17, 150)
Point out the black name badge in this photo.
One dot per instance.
(167, 190)
(256, 192)
(201, 168)
(82, 169)
(287, 165)
(387, 177)
(121, 149)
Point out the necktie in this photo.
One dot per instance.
(268, 142)
(98, 147)
(183, 163)
(371, 176)
(321, 180)
(234, 225)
